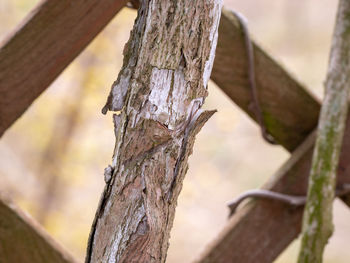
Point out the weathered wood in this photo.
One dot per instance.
(318, 213)
(54, 33)
(23, 240)
(290, 112)
(158, 97)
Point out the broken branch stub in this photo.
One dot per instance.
(158, 94)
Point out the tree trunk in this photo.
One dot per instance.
(317, 221)
(157, 99)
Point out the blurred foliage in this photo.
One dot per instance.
(52, 159)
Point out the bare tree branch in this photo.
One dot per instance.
(317, 220)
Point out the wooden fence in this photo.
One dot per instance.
(33, 56)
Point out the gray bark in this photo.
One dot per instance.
(156, 99)
(317, 221)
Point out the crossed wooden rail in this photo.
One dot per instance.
(33, 56)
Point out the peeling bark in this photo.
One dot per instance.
(317, 221)
(157, 99)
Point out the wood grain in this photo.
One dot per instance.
(23, 240)
(53, 34)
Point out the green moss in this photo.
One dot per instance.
(274, 126)
(347, 20)
(322, 175)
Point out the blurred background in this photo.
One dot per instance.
(52, 158)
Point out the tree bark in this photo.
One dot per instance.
(317, 220)
(157, 99)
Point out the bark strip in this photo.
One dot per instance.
(317, 220)
(157, 99)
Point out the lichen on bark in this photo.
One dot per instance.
(158, 95)
(317, 221)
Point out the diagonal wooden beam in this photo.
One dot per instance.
(23, 240)
(54, 33)
(261, 230)
(34, 55)
(290, 112)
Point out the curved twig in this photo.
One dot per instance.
(293, 200)
(251, 75)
